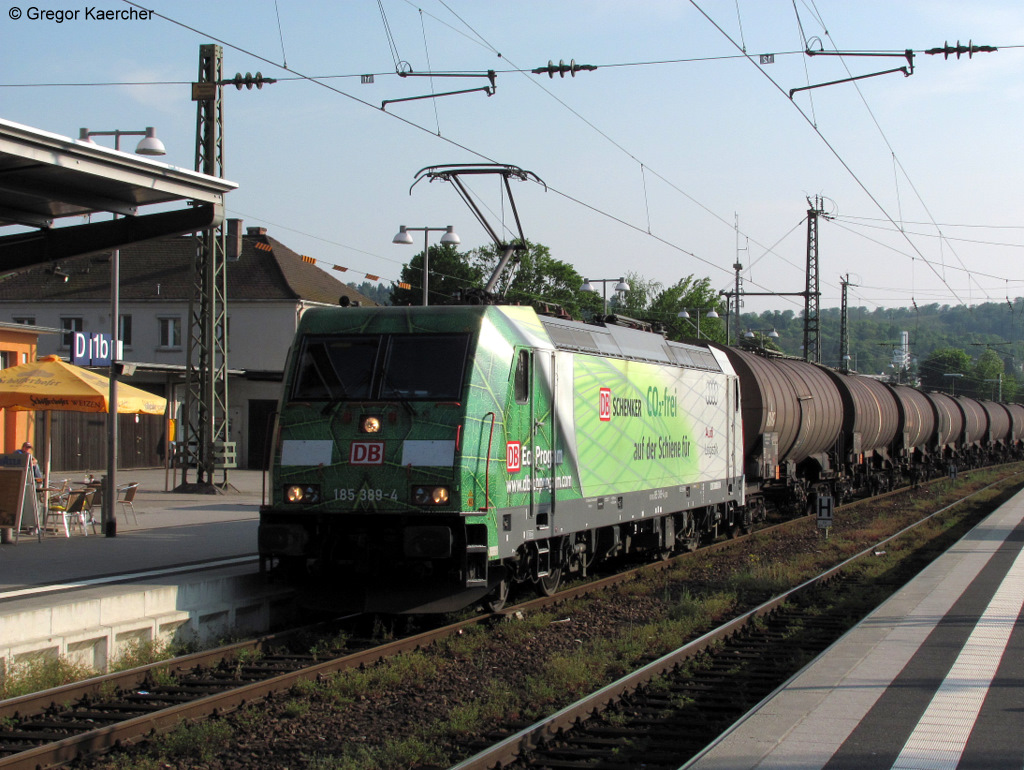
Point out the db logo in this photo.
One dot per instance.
(513, 457)
(366, 453)
(604, 408)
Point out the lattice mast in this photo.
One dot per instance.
(844, 325)
(206, 399)
(812, 294)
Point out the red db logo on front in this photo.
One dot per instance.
(367, 453)
(513, 456)
(605, 404)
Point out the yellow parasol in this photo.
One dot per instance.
(50, 384)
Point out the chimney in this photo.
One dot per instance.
(233, 242)
(255, 231)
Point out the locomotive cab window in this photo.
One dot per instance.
(423, 366)
(336, 368)
(522, 377)
(381, 367)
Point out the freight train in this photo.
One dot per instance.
(428, 458)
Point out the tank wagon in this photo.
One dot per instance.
(428, 458)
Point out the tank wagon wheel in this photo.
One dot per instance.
(746, 520)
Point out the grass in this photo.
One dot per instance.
(190, 744)
(37, 674)
(195, 742)
(138, 652)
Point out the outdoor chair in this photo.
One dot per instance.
(125, 498)
(74, 509)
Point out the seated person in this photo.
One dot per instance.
(26, 449)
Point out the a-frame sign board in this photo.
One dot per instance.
(18, 504)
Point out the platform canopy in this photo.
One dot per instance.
(45, 177)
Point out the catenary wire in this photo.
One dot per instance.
(596, 210)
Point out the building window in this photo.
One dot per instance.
(5, 358)
(170, 332)
(69, 327)
(27, 320)
(124, 330)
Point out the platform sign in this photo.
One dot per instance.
(94, 349)
(825, 508)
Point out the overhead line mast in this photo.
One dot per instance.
(205, 440)
(812, 293)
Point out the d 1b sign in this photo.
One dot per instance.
(93, 349)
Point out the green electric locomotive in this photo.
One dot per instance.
(426, 458)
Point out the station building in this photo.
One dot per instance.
(268, 287)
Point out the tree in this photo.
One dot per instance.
(379, 294)
(696, 297)
(933, 370)
(987, 374)
(449, 273)
(637, 302)
(533, 277)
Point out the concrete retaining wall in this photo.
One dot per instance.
(96, 626)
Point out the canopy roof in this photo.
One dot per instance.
(45, 176)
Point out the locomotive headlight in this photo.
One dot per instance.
(307, 494)
(370, 424)
(424, 495)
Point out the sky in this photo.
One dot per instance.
(680, 154)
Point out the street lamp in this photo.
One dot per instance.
(999, 380)
(449, 238)
(620, 287)
(684, 313)
(149, 145)
(760, 334)
(952, 385)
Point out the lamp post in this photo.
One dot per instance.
(685, 314)
(620, 287)
(953, 378)
(999, 380)
(449, 238)
(760, 334)
(149, 145)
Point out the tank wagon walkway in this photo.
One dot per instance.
(932, 679)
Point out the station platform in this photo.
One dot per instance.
(187, 572)
(934, 678)
(173, 529)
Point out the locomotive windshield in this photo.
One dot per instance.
(381, 367)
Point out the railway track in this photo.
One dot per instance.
(59, 725)
(665, 713)
(64, 723)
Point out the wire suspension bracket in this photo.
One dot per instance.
(907, 70)
(491, 75)
(946, 50)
